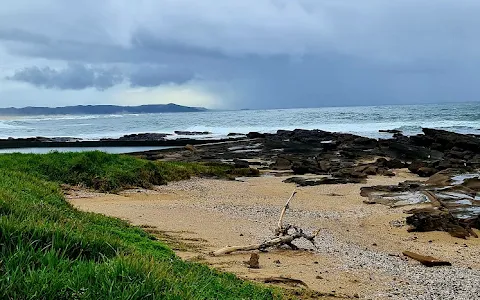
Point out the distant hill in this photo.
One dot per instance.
(98, 110)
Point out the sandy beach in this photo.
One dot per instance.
(359, 247)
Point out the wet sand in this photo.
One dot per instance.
(359, 247)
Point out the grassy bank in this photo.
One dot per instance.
(49, 250)
(107, 172)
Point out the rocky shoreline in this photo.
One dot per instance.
(338, 154)
(335, 158)
(131, 140)
(372, 200)
(452, 205)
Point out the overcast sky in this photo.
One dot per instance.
(239, 53)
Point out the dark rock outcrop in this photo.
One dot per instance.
(255, 135)
(143, 137)
(281, 163)
(301, 181)
(431, 219)
(191, 132)
(393, 131)
(426, 171)
(472, 183)
(241, 163)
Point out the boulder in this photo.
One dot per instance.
(386, 172)
(364, 143)
(415, 165)
(395, 164)
(326, 180)
(144, 137)
(441, 178)
(241, 164)
(255, 135)
(402, 148)
(426, 171)
(448, 140)
(324, 165)
(459, 154)
(301, 167)
(342, 180)
(178, 132)
(472, 183)
(362, 168)
(381, 162)
(371, 170)
(401, 187)
(393, 131)
(281, 163)
(430, 219)
(349, 173)
(300, 181)
(452, 163)
(253, 262)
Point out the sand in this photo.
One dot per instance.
(359, 250)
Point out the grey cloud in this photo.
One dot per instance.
(75, 77)
(372, 29)
(150, 76)
(269, 53)
(78, 77)
(18, 35)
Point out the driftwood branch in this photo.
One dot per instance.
(280, 228)
(277, 241)
(284, 235)
(426, 260)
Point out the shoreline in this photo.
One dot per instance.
(178, 138)
(371, 200)
(359, 246)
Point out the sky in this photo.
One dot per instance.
(235, 54)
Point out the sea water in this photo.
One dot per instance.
(365, 121)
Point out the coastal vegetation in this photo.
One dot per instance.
(50, 250)
(111, 173)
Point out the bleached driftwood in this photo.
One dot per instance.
(426, 260)
(277, 241)
(280, 228)
(284, 235)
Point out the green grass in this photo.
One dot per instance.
(50, 250)
(107, 172)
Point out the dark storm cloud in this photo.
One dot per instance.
(270, 53)
(18, 35)
(74, 77)
(148, 76)
(78, 77)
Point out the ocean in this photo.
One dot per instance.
(365, 121)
